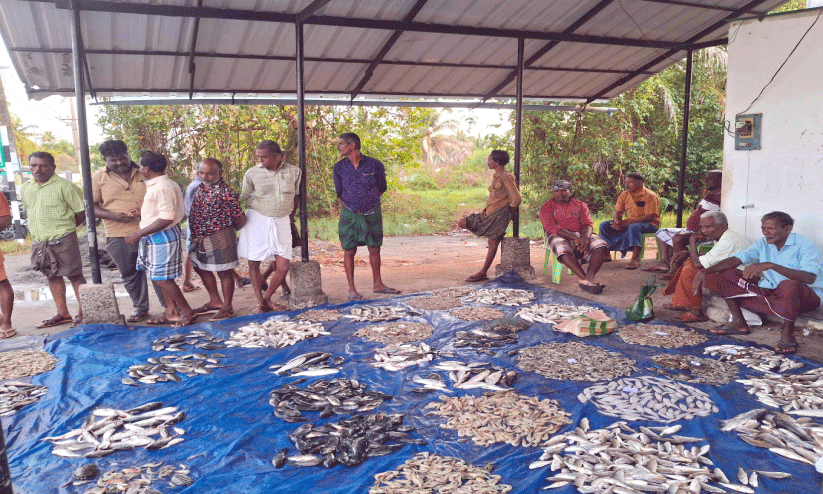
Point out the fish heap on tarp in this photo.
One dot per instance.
(390, 394)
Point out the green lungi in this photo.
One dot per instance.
(360, 228)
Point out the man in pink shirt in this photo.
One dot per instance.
(568, 225)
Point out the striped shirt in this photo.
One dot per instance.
(271, 193)
(51, 207)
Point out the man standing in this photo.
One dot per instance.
(160, 249)
(6, 292)
(493, 220)
(271, 191)
(55, 210)
(359, 181)
(686, 287)
(642, 216)
(214, 219)
(788, 266)
(568, 225)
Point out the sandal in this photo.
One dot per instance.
(137, 316)
(477, 277)
(205, 308)
(184, 321)
(633, 265)
(222, 314)
(691, 317)
(260, 310)
(786, 348)
(154, 321)
(728, 330)
(8, 333)
(77, 321)
(595, 289)
(678, 308)
(54, 321)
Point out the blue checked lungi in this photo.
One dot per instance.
(624, 240)
(161, 254)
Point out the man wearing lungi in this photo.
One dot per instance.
(782, 277)
(160, 253)
(568, 226)
(214, 219)
(6, 291)
(686, 287)
(359, 181)
(55, 210)
(493, 220)
(271, 191)
(642, 216)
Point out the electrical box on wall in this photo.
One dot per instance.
(747, 131)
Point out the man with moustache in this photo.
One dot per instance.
(641, 207)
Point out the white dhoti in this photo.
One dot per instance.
(264, 237)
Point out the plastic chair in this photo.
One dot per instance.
(557, 266)
(663, 204)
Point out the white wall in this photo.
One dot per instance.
(786, 174)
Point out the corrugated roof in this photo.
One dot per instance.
(585, 50)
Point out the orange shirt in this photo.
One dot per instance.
(114, 194)
(628, 203)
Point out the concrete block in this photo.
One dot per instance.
(99, 305)
(306, 285)
(515, 255)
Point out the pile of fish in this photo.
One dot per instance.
(349, 442)
(507, 325)
(473, 375)
(310, 365)
(21, 363)
(329, 397)
(453, 292)
(552, 313)
(658, 335)
(484, 339)
(167, 368)
(620, 459)
(761, 359)
(399, 357)
(434, 303)
(150, 426)
(796, 439)
(371, 313)
(649, 398)
(500, 296)
(695, 369)
(429, 473)
(14, 395)
(501, 417)
(576, 361)
(196, 339)
(274, 333)
(396, 332)
(133, 480)
(799, 394)
(319, 315)
(477, 313)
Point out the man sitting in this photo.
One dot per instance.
(687, 284)
(788, 267)
(568, 225)
(642, 216)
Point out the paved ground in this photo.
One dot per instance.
(411, 264)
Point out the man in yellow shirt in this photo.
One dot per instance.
(641, 207)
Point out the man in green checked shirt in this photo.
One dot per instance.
(55, 210)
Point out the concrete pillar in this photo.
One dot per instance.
(100, 305)
(515, 255)
(306, 286)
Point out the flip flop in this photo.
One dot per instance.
(205, 308)
(678, 308)
(54, 321)
(154, 321)
(77, 321)
(184, 321)
(391, 291)
(137, 316)
(188, 289)
(354, 298)
(727, 330)
(477, 277)
(8, 333)
(786, 348)
(595, 289)
(690, 317)
(222, 314)
(632, 266)
(260, 310)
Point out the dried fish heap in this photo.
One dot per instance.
(453, 292)
(695, 369)
(649, 398)
(396, 332)
(621, 460)
(274, 333)
(21, 363)
(198, 339)
(798, 394)
(502, 416)
(429, 473)
(484, 339)
(15, 395)
(552, 313)
(796, 439)
(121, 430)
(576, 361)
(167, 368)
(319, 315)
(434, 303)
(507, 325)
(136, 480)
(371, 313)
(761, 359)
(476, 313)
(500, 296)
(398, 357)
(310, 364)
(658, 335)
(329, 397)
(348, 442)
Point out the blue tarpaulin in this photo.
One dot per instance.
(229, 418)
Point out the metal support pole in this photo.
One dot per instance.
(301, 144)
(518, 127)
(684, 143)
(85, 164)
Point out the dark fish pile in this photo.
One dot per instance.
(319, 315)
(167, 368)
(507, 325)
(14, 395)
(434, 303)
(576, 361)
(659, 335)
(136, 480)
(150, 426)
(21, 363)
(196, 339)
(484, 340)
(429, 473)
(310, 364)
(329, 397)
(396, 332)
(348, 442)
(796, 439)
(695, 369)
(761, 359)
